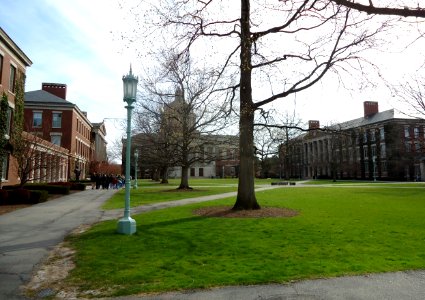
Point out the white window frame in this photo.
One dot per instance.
(53, 119)
(33, 119)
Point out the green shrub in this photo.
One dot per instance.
(78, 186)
(38, 196)
(62, 189)
(19, 196)
(4, 195)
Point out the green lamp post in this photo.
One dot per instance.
(127, 225)
(136, 158)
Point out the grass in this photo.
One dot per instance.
(339, 231)
(364, 183)
(152, 192)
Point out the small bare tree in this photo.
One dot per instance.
(30, 164)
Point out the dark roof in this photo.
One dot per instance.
(41, 96)
(364, 121)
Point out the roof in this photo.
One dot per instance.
(45, 100)
(365, 121)
(41, 96)
(15, 49)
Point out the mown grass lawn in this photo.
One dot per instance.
(152, 192)
(339, 231)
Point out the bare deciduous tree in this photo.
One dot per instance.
(412, 96)
(187, 104)
(390, 8)
(285, 46)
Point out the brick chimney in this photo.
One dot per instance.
(313, 124)
(370, 108)
(57, 89)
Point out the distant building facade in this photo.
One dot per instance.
(377, 146)
(98, 137)
(178, 142)
(221, 158)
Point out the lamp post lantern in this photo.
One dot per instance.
(127, 225)
(136, 158)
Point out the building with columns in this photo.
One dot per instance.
(44, 161)
(50, 116)
(377, 146)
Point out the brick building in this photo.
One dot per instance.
(50, 116)
(375, 146)
(13, 63)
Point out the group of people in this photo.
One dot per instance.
(107, 181)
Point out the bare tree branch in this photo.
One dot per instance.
(418, 12)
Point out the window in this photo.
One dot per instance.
(383, 150)
(384, 166)
(417, 147)
(201, 172)
(382, 133)
(406, 132)
(56, 139)
(37, 119)
(416, 132)
(192, 172)
(12, 78)
(57, 120)
(9, 119)
(1, 66)
(5, 163)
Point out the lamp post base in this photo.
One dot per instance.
(126, 226)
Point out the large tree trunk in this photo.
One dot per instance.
(155, 175)
(246, 194)
(184, 182)
(164, 177)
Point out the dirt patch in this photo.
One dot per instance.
(227, 212)
(4, 209)
(48, 280)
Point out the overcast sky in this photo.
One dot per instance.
(78, 43)
(75, 43)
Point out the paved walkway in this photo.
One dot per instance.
(28, 235)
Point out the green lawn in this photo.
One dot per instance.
(365, 183)
(339, 231)
(152, 192)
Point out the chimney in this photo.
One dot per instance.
(313, 124)
(57, 89)
(370, 108)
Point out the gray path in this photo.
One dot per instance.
(391, 286)
(28, 235)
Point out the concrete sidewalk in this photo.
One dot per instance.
(392, 286)
(29, 234)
